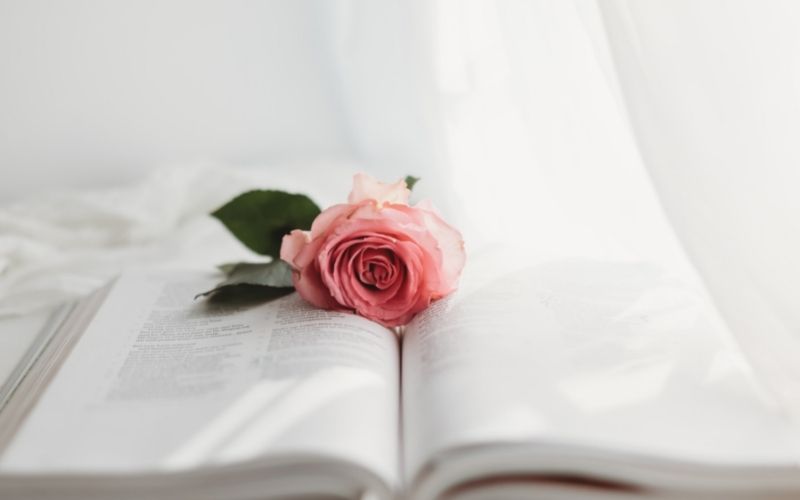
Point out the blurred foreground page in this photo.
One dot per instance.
(161, 382)
(596, 356)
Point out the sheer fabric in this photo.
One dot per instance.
(712, 90)
(648, 130)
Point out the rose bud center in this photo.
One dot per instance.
(377, 268)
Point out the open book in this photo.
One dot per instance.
(568, 379)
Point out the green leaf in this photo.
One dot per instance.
(276, 275)
(238, 297)
(260, 219)
(411, 181)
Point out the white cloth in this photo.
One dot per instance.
(712, 91)
(63, 245)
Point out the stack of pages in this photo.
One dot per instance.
(566, 379)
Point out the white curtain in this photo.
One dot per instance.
(618, 128)
(713, 91)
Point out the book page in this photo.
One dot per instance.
(159, 381)
(606, 355)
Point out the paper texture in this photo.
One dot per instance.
(159, 382)
(603, 355)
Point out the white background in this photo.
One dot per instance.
(96, 93)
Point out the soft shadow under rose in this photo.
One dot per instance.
(376, 255)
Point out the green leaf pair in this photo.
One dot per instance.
(260, 219)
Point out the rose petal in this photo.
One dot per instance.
(331, 216)
(309, 285)
(448, 240)
(366, 187)
(292, 244)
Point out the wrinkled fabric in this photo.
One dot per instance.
(61, 246)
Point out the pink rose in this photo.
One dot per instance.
(376, 255)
